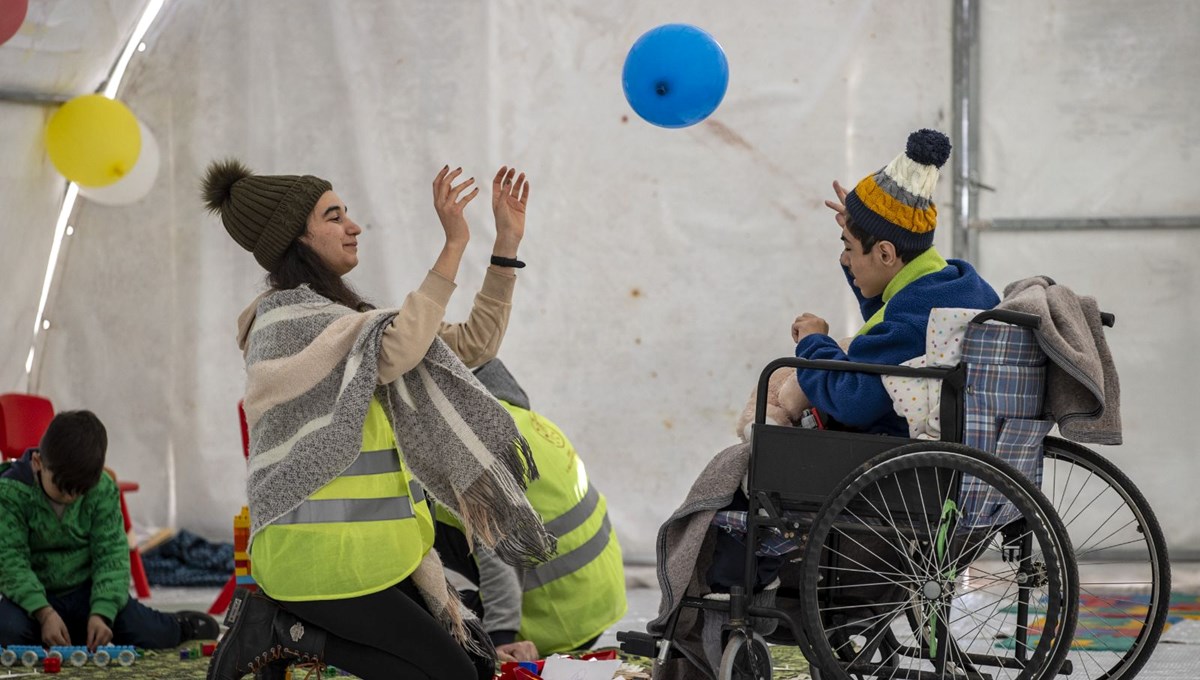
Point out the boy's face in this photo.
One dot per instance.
(46, 478)
(872, 271)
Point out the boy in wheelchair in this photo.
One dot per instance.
(898, 277)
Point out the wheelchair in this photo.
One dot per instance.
(969, 557)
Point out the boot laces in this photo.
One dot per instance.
(307, 662)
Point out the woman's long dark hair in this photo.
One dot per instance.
(300, 265)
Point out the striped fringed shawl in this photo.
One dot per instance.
(312, 367)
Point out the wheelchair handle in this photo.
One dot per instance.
(760, 407)
(1031, 321)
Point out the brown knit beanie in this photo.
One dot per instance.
(263, 213)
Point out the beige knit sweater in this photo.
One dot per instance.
(405, 342)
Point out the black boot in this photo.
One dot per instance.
(276, 670)
(260, 633)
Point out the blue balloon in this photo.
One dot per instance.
(675, 75)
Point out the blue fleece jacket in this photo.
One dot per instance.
(859, 399)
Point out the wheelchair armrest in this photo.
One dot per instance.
(760, 408)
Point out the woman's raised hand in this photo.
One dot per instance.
(449, 205)
(510, 195)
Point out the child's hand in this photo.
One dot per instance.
(839, 206)
(517, 651)
(98, 632)
(54, 631)
(808, 324)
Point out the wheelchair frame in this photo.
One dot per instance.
(851, 452)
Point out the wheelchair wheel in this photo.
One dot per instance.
(1109, 522)
(745, 658)
(937, 559)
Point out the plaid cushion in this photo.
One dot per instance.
(1002, 399)
(773, 541)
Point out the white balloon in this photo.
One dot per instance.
(137, 183)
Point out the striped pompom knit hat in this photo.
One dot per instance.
(896, 203)
(263, 213)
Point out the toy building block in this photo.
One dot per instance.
(52, 664)
(29, 655)
(124, 655)
(76, 655)
(241, 547)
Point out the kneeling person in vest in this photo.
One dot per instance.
(568, 602)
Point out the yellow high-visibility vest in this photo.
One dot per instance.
(364, 531)
(580, 592)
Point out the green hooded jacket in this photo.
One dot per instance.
(42, 553)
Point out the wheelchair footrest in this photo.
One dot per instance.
(638, 643)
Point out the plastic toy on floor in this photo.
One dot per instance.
(28, 655)
(78, 656)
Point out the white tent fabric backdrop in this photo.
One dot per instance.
(665, 266)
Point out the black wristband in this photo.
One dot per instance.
(507, 262)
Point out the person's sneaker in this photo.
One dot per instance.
(261, 633)
(197, 626)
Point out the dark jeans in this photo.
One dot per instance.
(728, 566)
(389, 634)
(136, 624)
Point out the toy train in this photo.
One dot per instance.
(32, 655)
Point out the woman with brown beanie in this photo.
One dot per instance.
(354, 412)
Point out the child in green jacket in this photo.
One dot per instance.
(64, 557)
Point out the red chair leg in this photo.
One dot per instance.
(220, 604)
(138, 571)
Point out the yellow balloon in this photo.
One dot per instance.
(94, 141)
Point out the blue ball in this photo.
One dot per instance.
(675, 75)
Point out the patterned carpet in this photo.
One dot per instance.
(789, 665)
(1112, 623)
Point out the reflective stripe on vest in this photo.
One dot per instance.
(374, 463)
(370, 525)
(571, 562)
(357, 509)
(576, 516)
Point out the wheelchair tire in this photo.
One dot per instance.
(745, 658)
(1082, 486)
(946, 562)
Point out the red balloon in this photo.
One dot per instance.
(12, 15)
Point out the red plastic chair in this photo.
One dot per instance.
(23, 420)
(220, 604)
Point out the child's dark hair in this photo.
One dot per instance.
(868, 242)
(73, 451)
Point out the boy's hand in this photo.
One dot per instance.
(807, 324)
(54, 631)
(98, 632)
(839, 206)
